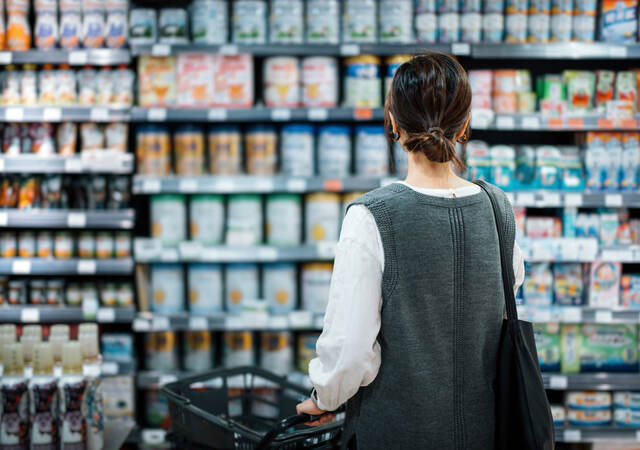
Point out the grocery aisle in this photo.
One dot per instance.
(178, 175)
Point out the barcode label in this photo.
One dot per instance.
(21, 267)
(559, 382)
(30, 315)
(52, 115)
(86, 267)
(76, 220)
(78, 58)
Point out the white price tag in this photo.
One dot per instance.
(263, 185)
(73, 165)
(14, 114)
(280, 114)
(480, 121)
(225, 185)
(78, 58)
(526, 199)
(617, 51)
(572, 436)
(141, 325)
(154, 437)
(572, 314)
(558, 382)
(4, 219)
(76, 220)
(110, 368)
(151, 186)
(198, 323)
(460, 48)
(550, 199)
(169, 255)
(326, 250)
(156, 114)
(505, 123)
(188, 185)
(278, 323)
(217, 114)
(106, 315)
(1, 164)
(99, 114)
(228, 49)
(573, 200)
(52, 115)
(542, 315)
(297, 185)
(21, 267)
(530, 123)
(234, 322)
(159, 323)
(190, 250)
(349, 49)
(5, 58)
(160, 50)
(613, 200)
(267, 254)
(30, 315)
(89, 308)
(300, 319)
(318, 114)
(604, 316)
(87, 267)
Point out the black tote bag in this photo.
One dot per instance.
(523, 415)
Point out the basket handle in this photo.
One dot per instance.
(283, 425)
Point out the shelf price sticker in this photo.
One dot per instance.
(617, 51)
(571, 314)
(460, 48)
(278, 323)
(555, 122)
(188, 185)
(169, 255)
(575, 123)
(21, 267)
(14, 114)
(154, 437)
(52, 114)
(235, 322)
(505, 123)
(280, 114)
(613, 200)
(78, 58)
(267, 254)
(73, 165)
(558, 382)
(571, 435)
(156, 114)
(363, 113)
(160, 50)
(573, 200)
(605, 124)
(217, 115)
(99, 114)
(318, 114)
(76, 220)
(349, 50)
(30, 315)
(301, 319)
(4, 219)
(326, 250)
(604, 316)
(141, 325)
(151, 186)
(333, 185)
(160, 323)
(526, 199)
(228, 49)
(5, 58)
(198, 323)
(550, 199)
(86, 267)
(530, 123)
(263, 185)
(297, 185)
(106, 315)
(109, 368)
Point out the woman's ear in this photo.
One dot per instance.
(394, 125)
(464, 128)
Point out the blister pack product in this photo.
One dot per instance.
(538, 285)
(548, 167)
(630, 291)
(568, 283)
(547, 336)
(478, 161)
(604, 286)
(599, 348)
(503, 166)
(619, 21)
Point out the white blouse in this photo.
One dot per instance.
(348, 353)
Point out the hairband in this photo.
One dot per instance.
(434, 130)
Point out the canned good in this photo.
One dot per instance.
(89, 293)
(206, 212)
(471, 6)
(323, 21)
(8, 244)
(282, 81)
(319, 81)
(27, 244)
(561, 6)
(238, 349)
(241, 283)
(393, 62)
(396, 21)
(38, 292)
(244, 221)
(167, 287)
(493, 6)
(172, 25)
(188, 145)
(123, 244)
(427, 27)
(44, 244)
(73, 295)
(225, 148)
(362, 84)
(161, 351)
(279, 287)
(471, 24)
(297, 150)
(168, 217)
(287, 21)
(277, 352)
(561, 27)
(316, 279)
(449, 6)
(55, 292)
(209, 22)
(260, 147)
(516, 28)
(539, 6)
(584, 27)
(372, 154)
(198, 353)
(539, 28)
(63, 245)
(284, 220)
(586, 7)
(125, 295)
(205, 288)
(306, 350)
(449, 27)
(153, 150)
(142, 26)
(322, 213)
(109, 294)
(517, 6)
(86, 245)
(104, 245)
(17, 292)
(359, 23)
(334, 151)
(493, 27)
(250, 22)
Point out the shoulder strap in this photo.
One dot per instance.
(507, 275)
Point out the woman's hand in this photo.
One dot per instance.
(308, 407)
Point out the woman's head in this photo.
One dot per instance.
(428, 106)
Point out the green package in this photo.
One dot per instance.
(581, 89)
(547, 337)
(551, 87)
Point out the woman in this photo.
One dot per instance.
(416, 303)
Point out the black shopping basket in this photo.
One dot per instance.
(243, 408)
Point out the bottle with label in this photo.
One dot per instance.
(43, 400)
(14, 410)
(71, 388)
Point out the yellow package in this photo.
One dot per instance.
(157, 81)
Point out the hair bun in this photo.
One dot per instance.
(435, 130)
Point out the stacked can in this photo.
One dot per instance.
(561, 20)
(584, 20)
(426, 21)
(395, 21)
(471, 21)
(448, 21)
(539, 21)
(516, 22)
(493, 20)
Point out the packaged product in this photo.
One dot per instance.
(117, 25)
(44, 245)
(396, 23)
(63, 245)
(322, 214)
(604, 88)
(86, 245)
(18, 29)
(425, 6)
(156, 80)
(306, 350)
(241, 284)
(517, 6)
(143, 28)
(17, 294)
(71, 31)
(582, 418)
(260, 148)
(153, 150)
(587, 225)
(206, 212)
(471, 6)
(11, 86)
(323, 21)
(282, 81)
(539, 27)
(209, 21)
(123, 79)
(503, 166)
(233, 81)
(29, 85)
(516, 28)
(630, 291)
(626, 87)
(316, 280)
(108, 294)
(449, 27)
(548, 167)
(173, 26)
(28, 195)
(493, 27)
(359, 22)
(608, 228)
(478, 161)
(91, 137)
(371, 151)
(3, 39)
(37, 292)
(116, 136)
(547, 337)
(105, 245)
(8, 245)
(122, 245)
(125, 295)
(561, 6)
(559, 415)
(319, 81)
(117, 347)
(627, 399)
(238, 349)
(66, 83)
(362, 83)
(297, 150)
(286, 21)
(538, 285)
(27, 244)
(584, 27)
(244, 220)
(198, 354)
(572, 173)
(46, 26)
(280, 287)
(250, 22)
(195, 79)
(42, 139)
(471, 26)
(93, 23)
(392, 64)
(619, 21)
(188, 146)
(277, 352)
(160, 354)
(205, 288)
(426, 24)
(87, 86)
(104, 86)
(225, 150)
(604, 287)
(167, 288)
(283, 220)
(446, 6)
(588, 400)
(168, 218)
(580, 90)
(626, 417)
(610, 180)
(568, 283)
(561, 27)
(539, 6)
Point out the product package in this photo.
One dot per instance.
(568, 283)
(619, 21)
(156, 81)
(604, 287)
(538, 285)
(547, 338)
(630, 291)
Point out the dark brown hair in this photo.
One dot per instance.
(430, 99)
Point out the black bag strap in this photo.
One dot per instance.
(507, 274)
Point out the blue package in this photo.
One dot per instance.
(478, 161)
(629, 162)
(568, 284)
(525, 165)
(569, 217)
(538, 285)
(117, 347)
(619, 21)
(503, 166)
(611, 169)
(588, 225)
(548, 162)
(572, 173)
(493, 6)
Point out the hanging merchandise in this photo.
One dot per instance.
(206, 213)
(362, 83)
(319, 81)
(286, 22)
(260, 149)
(209, 21)
(244, 220)
(93, 23)
(282, 81)
(225, 150)
(372, 154)
(359, 23)
(167, 288)
(168, 217)
(198, 352)
(297, 150)
(279, 287)
(322, 217)
(46, 25)
(250, 21)
(143, 27)
(283, 220)
(316, 279)
(334, 150)
(173, 26)
(188, 146)
(277, 352)
(195, 80)
(238, 349)
(396, 24)
(241, 284)
(161, 351)
(205, 288)
(323, 21)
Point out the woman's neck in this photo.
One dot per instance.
(432, 175)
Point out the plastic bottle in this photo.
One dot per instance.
(71, 388)
(70, 23)
(58, 336)
(46, 26)
(31, 335)
(93, 23)
(18, 30)
(43, 400)
(7, 336)
(14, 420)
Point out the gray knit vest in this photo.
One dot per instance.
(442, 311)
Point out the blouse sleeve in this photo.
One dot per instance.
(518, 266)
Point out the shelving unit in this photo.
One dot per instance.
(597, 434)
(45, 266)
(93, 57)
(65, 314)
(592, 381)
(58, 218)
(100, 161)
(577, 314)
(63, 114)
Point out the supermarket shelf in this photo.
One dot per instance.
(94, 161)
(577, 314)
(550, 199)
(64, 314)
(152, 250)
(253, 320)
(568, 50)
(559, 249)
(145, 184)
(46, 266)
(93, 57)
(483, 119)
(597, 434)
(52, 218)
(63, 114)
(592, 381)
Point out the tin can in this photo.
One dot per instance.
(539, 28)
(287, 22)
(55, 292)
(297, 145)
(250, 22)
(44, 244)
(104, 245)
(517, 6)
(109, 294)
(279, 287)
(372, 153)
(469, 6)
(449, 27)
(241, 283)
(493, 27)
(209, 21)
(306, 350)
(168, 218)
(334, 151)
(316, 280)
(244, 220)
(188, 147)
(493, 6)
(143, 28)
(206, 212)
(27, 244)
(38, 292)
(238, 349)
(584, 27)
(319, 81)
(396, 21)
(167, 287)
(561, 27)
(359, 23)
(225, 150)
(322, 213)
(73, 294)
(426, 6)
(8, 244)
(539, 6)
(586, 7)
(449, 6)
(125, 295)
(282, 81)
(161, 351)
(284, 220)
(393, 62)
(260, 147)
(198, 353)
(123, 244)
(86, 245)
(323, 21)
(173, 25)
(17, 292)
(427, 27)
(562, 6)
(63, 245)
(89, 293)
(277, 352)
(205, 288)
(362, 83)
(153, 150)
(471, 27)
(516, 28)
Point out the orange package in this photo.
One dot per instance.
(18, 35)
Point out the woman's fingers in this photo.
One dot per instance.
(327, 418)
